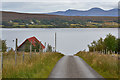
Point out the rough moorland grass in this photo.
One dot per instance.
(0, 68)
(39, 66)
(105, 65)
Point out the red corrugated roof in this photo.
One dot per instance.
(33, 40)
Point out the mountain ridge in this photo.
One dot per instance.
(90, 12)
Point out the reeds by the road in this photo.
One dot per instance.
(38, 66)
(105, 65)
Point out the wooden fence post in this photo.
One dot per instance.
(23, 56)
(15, 58)
(103, 51)
(31, 49)
(35, 51)
(106, 51)
(39, 47)
(45, 47)
(39, 51)
(114, 52)
(109, 52)
(94, 50)
(1, 61)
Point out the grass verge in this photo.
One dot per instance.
(38, 66)
(105, 65)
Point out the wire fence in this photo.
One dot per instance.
(1, 62)
(19, 58)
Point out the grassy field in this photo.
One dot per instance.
(105, 65)
(0, 68)
(38, 66)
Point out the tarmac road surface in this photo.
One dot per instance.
(73, 67)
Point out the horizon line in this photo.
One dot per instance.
(54, 11)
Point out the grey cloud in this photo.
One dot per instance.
(44, 7)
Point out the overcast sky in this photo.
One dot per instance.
(45, 6)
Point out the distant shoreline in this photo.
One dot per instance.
(51, 28)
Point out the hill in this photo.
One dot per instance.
(6, 16)
(14, 19)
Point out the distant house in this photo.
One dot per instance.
(25, 46)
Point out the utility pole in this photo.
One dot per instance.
(16, 51)
(55, 41)
(16, 44)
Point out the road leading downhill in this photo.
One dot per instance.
(73, 67)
